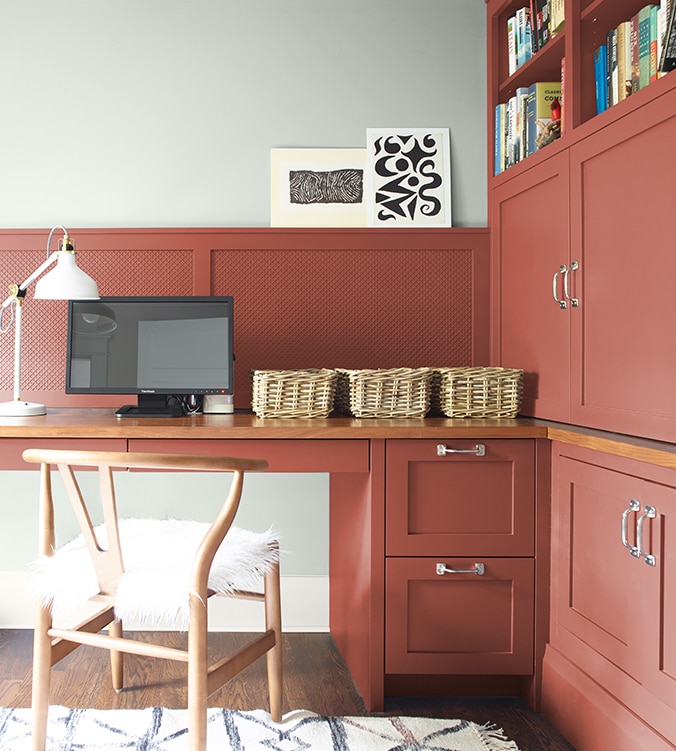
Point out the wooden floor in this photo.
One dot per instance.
(315, 678)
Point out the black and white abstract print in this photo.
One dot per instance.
(410, 174)
(329, 186)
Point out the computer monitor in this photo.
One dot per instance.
(168, 351)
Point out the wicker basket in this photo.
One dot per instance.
(293, 393)
(479, 392)
(393, 392)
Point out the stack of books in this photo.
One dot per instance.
(530, 28)
(527, 122)
(636, 53)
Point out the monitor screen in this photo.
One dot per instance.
(169, 351)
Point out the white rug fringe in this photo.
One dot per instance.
(495, 739)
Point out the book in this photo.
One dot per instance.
(624, 60)
(511, 44)
(653, 43)
(557, 16)
(521, 116)
(563, 90)
(644, 46)
(499, 142)
(523, 36)
(539, 22)
(662, 22)
(601, 78)
(540, 129)
(633, 42)
(668, 57)
(611, 46)
(511, 144)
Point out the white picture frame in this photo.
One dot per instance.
(409, 177)
(318, 187)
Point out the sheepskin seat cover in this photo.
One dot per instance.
(157, 555)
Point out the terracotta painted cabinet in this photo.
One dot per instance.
(613, 619)
(532, 266)
(459, 557)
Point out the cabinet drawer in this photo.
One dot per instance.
(461, 503)
(459, 623)
(13, 448)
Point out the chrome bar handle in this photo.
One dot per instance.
(479, 569)
(648, 513)
(555, 292)
(634, 506)
(479, 450)
(574, 301)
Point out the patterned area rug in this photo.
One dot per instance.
(159, 729)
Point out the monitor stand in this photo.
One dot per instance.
(150, 405)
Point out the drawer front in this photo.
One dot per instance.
(13, 448)
(283, 455)
(459, 623)
(462, 503)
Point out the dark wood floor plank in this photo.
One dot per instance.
(315, 678)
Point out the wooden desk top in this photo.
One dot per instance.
(102, 423)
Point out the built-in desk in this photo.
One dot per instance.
(353, 451)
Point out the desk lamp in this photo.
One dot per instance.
(64, 282)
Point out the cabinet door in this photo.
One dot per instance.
(461, 503)
(530, 243)
(608, 605)
(622, 214)
(459, 623)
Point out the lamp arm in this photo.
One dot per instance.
(24, 285)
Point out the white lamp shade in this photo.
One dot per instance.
(66, 281)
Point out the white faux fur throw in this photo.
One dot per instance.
(157, 557)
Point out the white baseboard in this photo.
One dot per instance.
(305, 606)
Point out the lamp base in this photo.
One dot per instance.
(18, 408)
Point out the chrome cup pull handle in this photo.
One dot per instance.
(479, 569)
(574, 266)
(555, 286)
(648, 513)
(478, 450)
(634, 506)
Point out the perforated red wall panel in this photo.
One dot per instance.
(303, 298)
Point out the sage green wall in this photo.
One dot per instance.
(163, 112)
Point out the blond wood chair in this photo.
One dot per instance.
(219, 558)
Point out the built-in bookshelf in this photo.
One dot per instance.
(567, 57)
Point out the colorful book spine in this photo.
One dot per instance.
(668, 57)
(644, 46)
(498, 165)
(653, 43)
(613, 81)
(634, 55)
(624, 60)
(557, 16)
(521, 116)
(523, 36)
(511, 44)
(601, 78)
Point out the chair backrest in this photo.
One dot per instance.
(108, 561)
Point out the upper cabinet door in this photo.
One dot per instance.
(622, 219)
(530, 247)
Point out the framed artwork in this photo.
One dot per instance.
(409, 177)
(317, 188)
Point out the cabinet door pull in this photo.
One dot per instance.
(479, 569)
(479, 450)
(574, 266)
(555, 291)
(648, 513)
(634, 506)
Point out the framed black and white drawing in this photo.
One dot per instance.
(409, 177)
(317, 188)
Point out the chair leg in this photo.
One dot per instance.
(197, 674)
(42, 667)
(116, 658)
(273, 621)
